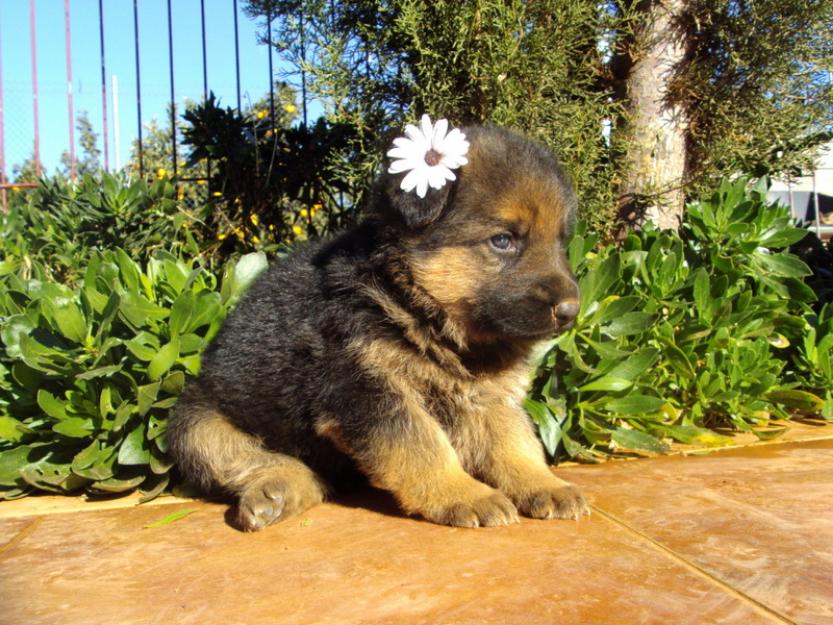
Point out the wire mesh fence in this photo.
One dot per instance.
(134, 57)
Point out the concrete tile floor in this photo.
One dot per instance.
(739, 536)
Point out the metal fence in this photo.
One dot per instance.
(109, 121)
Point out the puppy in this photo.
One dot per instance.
(399, 350)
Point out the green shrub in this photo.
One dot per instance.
(62, 223)
(88, 373)
(682, 334)
(679, 336)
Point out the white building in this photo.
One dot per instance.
(804, 194)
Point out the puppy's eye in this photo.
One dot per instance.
(502, 242)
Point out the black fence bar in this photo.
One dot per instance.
(173, 96)
(271, 74)
(204, 56)
(237, 54)
(205, 89)
(138, 86)
(303, 70)
(105, 128)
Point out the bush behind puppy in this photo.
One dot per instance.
(400, 350)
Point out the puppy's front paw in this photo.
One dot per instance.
(260, 505)
(559, 500)
(488, 508)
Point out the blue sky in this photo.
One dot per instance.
(120, 61)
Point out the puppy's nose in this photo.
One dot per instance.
(566, 311)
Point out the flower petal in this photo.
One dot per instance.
(414, 134)
(436, 177)
(427, 127)
(422, 186)
(403, 164)
(438, 136)
(409, 181)
(404, 152)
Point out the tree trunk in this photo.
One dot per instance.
(655, 134)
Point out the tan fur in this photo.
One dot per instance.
(261, 479)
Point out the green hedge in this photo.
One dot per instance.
(680, 334)
(89, 373)
(680, 337)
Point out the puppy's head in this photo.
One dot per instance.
(489, 247)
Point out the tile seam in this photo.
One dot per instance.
(758, 606)
(19, 537)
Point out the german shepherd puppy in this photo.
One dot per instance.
(399, 349)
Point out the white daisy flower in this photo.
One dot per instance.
(428, 154)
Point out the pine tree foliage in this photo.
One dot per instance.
(755, 80)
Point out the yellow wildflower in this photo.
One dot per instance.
(290, 108)
(221, 236)
(271, 227)
(255, 239)
(217, 194)
(239, 233)
(260, 114)
(253, 218)
(304, 213)
(180, 195)
(297, 229)
(161, 173)
(201, 182)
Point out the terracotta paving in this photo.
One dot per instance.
(737, 536)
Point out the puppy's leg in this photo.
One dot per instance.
(513, 460)
(406, 452)
(214, 453)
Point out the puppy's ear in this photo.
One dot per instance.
(416, 211)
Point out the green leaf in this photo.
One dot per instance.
(146, 395)
(70, 320)
(596, 283)
(136, 310)
(782, 264)
(174, 383)
(51, 405)
(635, 404)
(176, 516)
(548, 427)
(13, 329)
(129, 271)
(607, 383)
(799, 400)
(629, 323)
(702, 295)
(12, 430)
(635, 365)
(142, 347)
(134, 449)
(100, 372)
(74, 427)
(115, 485)
(181, 312)
(634, 439)
(163, 360)
(12, 462)
(693, 435)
